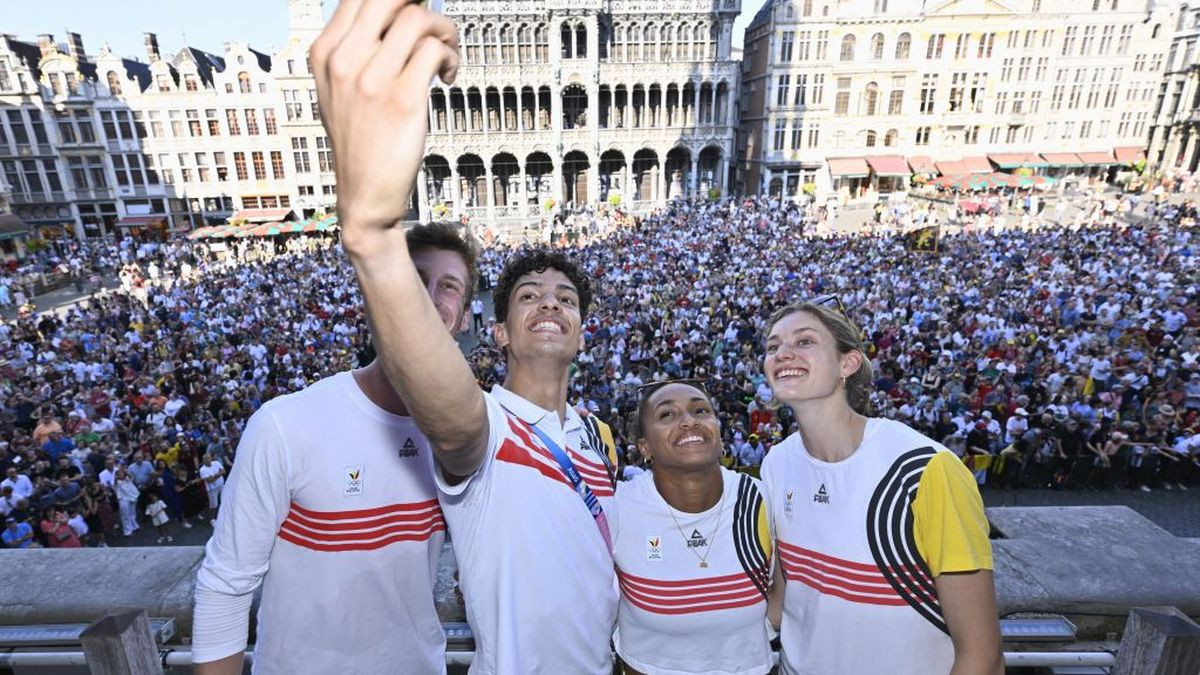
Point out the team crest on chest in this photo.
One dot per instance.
(352, 481)
(654, 550)
(789, 502)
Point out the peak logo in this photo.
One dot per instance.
(409, 449)
(697, 540)
(822, 496)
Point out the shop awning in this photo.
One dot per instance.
(1062, 159)
(1129, 154)
(889, 165)
(1015, 160)
(949, 168)
(849, 167)
(978, 164)
(262, 215)
(922, 164)
(12, 226)
(1096, 158)
(141, 221)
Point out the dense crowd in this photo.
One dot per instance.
(1045, 356)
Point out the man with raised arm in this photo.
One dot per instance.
(332, 507)
(526, 483)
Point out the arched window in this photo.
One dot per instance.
(114, 83)
(506, 44)
(714, 36)
(649, 42)
(524, 44)
(870, 142)
(1154, 33)
(903, 45)
(542, 42)
(698, 34)
(871, 99)
(807, 7)
(471, 43)
(877, 46)
(489, 43)
(848, 48)
(668, 39)
(683, 49)
(244, 82)
(889, 139)
(619, 42)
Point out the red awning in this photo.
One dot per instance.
(1062, 159)
(140, 221)
(948, 168)
(1129, 154)
(261, 215)
(977, 164)
(1096, 158)
(848, 167)
(922, 164)
(889, 165)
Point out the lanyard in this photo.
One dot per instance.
(581, 487)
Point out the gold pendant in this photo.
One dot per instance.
(703, 564)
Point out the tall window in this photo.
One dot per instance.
(190, 82)
(324, 155)
(239, 165)
(780, 134)
(928, 92)
(870, 99)
(300, 155)
(903, 45)
(260, 166)
(922, 137)
(114, 82)
(985, 45)
(277, 164)
(847, 48)
(958, 85)
(877, 46)
(869, 141)
(933, 48)
(841, 105)
(214, 122)
(785, 46)
(195, 127)
(244, 82)
(251, 122)
(231, 120)
(269, 121)
(960, 45)
(781, 89)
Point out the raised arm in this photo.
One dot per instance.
(373, 65)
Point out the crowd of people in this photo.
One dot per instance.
(1065, 357)
(124, 411)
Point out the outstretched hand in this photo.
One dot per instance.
(373, 65)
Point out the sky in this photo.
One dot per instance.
(207, 25)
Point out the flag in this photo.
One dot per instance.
(923, 240)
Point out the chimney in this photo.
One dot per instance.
(46, 45)
(75, 47)
(152, 47)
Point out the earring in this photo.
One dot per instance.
(843, 382)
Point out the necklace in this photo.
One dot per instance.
(711, 538)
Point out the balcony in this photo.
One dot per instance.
(38, 197)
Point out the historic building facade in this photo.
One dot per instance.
(1176, 126)
(581, 102)
(853, 96)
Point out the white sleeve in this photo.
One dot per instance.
(254, 504)
(497, 430)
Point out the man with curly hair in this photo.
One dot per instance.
(524, 483)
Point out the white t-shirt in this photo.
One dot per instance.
(861, 541)
(675, 616)
(209, 470)
(331, 506)
(535, 572)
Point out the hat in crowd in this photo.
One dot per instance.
(754, 437)
(987, 414)
(1166, 409)
(1021, 411)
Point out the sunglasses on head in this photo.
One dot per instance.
(650, 387)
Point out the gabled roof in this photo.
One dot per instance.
(206, 64)
(264, 61)
(137, 71)
(763, 15)
(28, 53)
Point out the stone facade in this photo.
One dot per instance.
(578, 103)
(1176, 130)
(942, 80)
